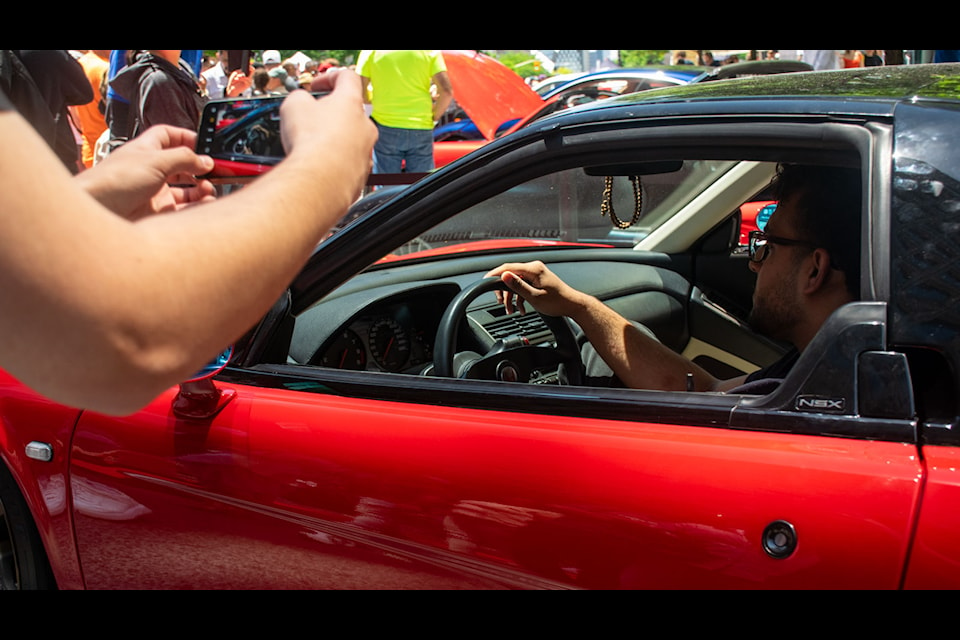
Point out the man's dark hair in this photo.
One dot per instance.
(828, 205)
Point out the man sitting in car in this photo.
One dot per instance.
(807, 265)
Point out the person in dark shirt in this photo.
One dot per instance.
(161, 89)
(54, 77)
(807, 265)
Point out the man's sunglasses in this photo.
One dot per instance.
(759, 241)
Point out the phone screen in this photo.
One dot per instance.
(242, 135)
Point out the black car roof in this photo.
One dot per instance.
(896, 83)
(867, 92)
(753, 68)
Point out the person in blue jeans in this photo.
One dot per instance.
(399, 84)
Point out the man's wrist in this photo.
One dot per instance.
(584, 307)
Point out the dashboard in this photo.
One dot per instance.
(387, 320)
(394, 328)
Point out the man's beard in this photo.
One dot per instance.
(775, 314)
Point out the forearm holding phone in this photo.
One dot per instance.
(105, 313)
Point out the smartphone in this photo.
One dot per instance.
(242, 135)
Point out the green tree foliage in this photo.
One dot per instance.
(526, 65)
(522, 62)
(641, 58)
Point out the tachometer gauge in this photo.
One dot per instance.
(389, 344)
(345, 352)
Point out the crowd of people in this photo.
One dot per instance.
(125, 92)
(271, 75)
(89, 90)
(820, 59)
(185, 80)
(100, 99)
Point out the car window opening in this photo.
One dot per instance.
(675, 262)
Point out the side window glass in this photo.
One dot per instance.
(574, 206)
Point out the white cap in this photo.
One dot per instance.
(271, 56)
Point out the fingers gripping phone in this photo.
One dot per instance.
(242, 135)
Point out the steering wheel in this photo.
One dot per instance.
(511, 360)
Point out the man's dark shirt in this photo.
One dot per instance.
(778, 369)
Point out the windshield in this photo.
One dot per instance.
(573, 206)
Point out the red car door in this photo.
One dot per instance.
(297, 487)
(935, 560)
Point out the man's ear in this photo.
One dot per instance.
(817, 270)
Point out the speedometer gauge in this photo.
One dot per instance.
(345, 352)
(389, 344)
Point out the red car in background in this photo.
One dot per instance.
(497, 101)
(753, 217)
(491, 94)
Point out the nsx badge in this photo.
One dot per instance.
(820, 404)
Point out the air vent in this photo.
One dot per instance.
(496, 234)
(531, 326)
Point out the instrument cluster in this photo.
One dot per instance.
(393, 336)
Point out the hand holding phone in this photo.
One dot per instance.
(335, 135)
(242, 135)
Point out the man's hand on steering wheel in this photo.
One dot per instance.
(508, 361)
(533, 282)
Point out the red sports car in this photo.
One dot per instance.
(389, 426)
